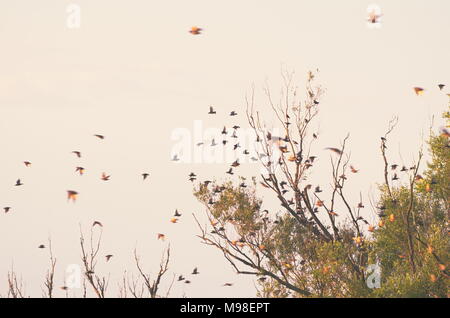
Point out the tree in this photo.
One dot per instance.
(310, 249)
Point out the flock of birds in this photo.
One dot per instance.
(72, 195)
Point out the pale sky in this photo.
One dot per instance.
(133, 73)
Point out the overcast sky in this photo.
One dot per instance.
(134, 73)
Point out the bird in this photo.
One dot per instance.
(230, 171)
(236, 163)
(353, 169)
(105, 177)
(6, 209)
(441, 86)
(444, 132)
(108, 257)
(180, 278)
(177, 214)
(79, 170)
(228, 284)
(161, 236)
(27, 163)
(41, 246)
(173, 220)
(97, 223)
(374, 17)
(99, 136)
(195, 30)
(394, 166)
(195, 271)
(77, 153)
(145, 175)
(317, 189)
(419, 90)
(175, 157)
(72, 195)
(233, 113)
(211, 111)
(18, 183)
(224, 130)
(335, 150)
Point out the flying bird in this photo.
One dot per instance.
(177, 214)
(335, 150)
(175, 158)
(27, 163)
(108, 257)
(374, 17)
(6, 209)
(77, 153)
(41, 246)
(161, 236)
(441, 86)
(174, 220)
(211, 111)
(72, 195)
(353, 169)
(195, 30)
(419, 90)
(233, 113)
(80, 170)
(18, 183)
(97, 223)
(195, 271)
(100, 136)
(105, 177)
(145, 176)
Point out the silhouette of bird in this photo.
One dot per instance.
(236, 163)
(211, 111)
(233, 113)
(394, 166)
(230, 171)
(145, 176)
(177, 214)
(374, 17)
(97, 223)
(228, 284)
(236, 146)
(80, 170)
(195, 30)
(161, 236)
(100, 136)
(173, 220)
(335, 150)
(18, 183)
(175, 157)
(72, 195)
(180, 278)
(224, 130)
(27, 163)
(353, 170)
(105, 177)
(6, 209)
(395, 177)
(108, 257)
(444, 132)
(195, 271)
(41, 246)
(77, 153)
(419, 90)
(441, 86)
(317, 189)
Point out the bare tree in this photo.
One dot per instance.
(89, 257)
(149, 285)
